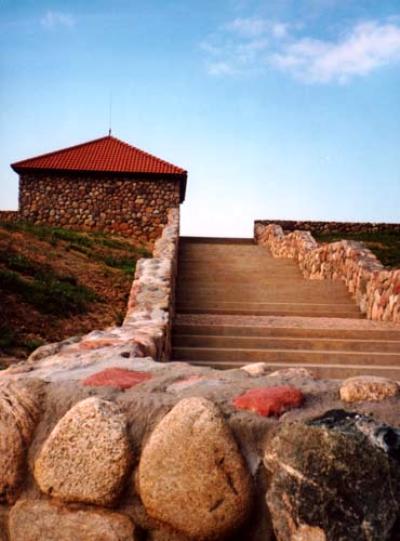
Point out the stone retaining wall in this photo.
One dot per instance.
(375, 289)
(99, 441)
(317, 228)
(103, 444)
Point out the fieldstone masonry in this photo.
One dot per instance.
(137, 208)
(375, 289)
(98, 440)
(9, 216)
(129, 207)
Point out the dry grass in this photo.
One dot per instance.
(56, 283)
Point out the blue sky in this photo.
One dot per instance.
(278, 109)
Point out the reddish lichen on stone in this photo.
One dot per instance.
(268, 401)
(116, 377)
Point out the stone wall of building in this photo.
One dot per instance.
(117, 204)
(375, 289)
(318, 228)
(9, 216)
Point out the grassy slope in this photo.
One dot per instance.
(386, 246)
(55, 283)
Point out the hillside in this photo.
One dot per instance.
(56, 283)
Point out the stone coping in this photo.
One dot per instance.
(375, 289)
(319, 227)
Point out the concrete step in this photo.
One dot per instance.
(216, 262)
(245, 356)
(228, 276)
(331, 371)
(267, 286)
(284, 342)
(215, 240)
(278, 313)
(267, 293)
(256, 271)
(295, 332)
(266, 282)
(271, 295)
(347, 310)
(270, 306)
(225, 277)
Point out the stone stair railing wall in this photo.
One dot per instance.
(375, 289)
(151, 302)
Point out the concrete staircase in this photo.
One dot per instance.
(236, 304)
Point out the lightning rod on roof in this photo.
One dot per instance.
(110, 115)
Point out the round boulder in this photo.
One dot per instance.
(87, 455)
(336, 477)
(191, 475)
(19, 412)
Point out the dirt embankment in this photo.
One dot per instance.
(56, 283)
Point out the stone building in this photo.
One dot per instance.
(104, 184)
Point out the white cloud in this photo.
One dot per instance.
(254, 43)
(220, 68)
(367, 47)
(239, 44)
(248, 27)
(280, 30)
(253, 27)
(52, 19)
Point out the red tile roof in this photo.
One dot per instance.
(107, 154)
